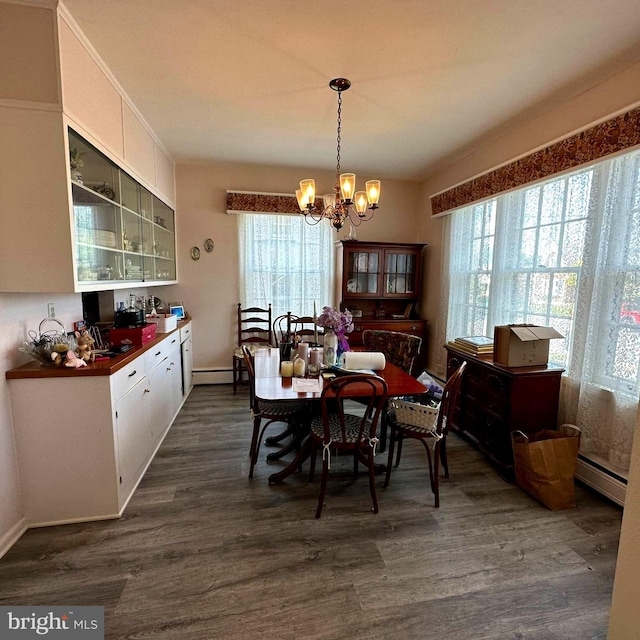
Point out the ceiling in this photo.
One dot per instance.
(247, 80)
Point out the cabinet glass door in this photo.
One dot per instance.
(363, 273)
(164, 264)
(399, 274)
(122, 231)
(98, 234)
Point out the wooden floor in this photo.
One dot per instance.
(202, 552)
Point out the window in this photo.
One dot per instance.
(286, 262)
(563, 253)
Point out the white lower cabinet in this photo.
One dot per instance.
(186, 353)
(134, 435)
(85, 441)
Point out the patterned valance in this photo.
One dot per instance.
(250, 202)
(617, 134)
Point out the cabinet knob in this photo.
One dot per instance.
(147, 390)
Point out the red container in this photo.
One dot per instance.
(138, 336)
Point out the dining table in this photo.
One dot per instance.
(271, 386)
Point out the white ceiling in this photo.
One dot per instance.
(247, 80)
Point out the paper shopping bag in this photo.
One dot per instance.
(545, 463)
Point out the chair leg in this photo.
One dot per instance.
(392, 442)
(443, 456)
(323, 485)
(255, 444)
(312, 460)
(400, 439)
(436, 472)
(372, 481)
(234, 374)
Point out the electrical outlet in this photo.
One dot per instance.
(51, 310)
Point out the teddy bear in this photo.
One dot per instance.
(85, 342)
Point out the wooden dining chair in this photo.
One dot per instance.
(399, 348)
(304, 327)
(292, 413)
(430, 434)
(336, 430)
(255, 329)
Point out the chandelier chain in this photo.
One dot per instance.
(339, 132)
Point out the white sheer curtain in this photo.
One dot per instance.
(564, 253)
(286, 262)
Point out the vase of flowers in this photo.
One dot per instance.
(337, 324)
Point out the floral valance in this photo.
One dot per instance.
(251, 202)
(612, 136)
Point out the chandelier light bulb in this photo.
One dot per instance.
(373, 192)
(361, 202)
(347, 186)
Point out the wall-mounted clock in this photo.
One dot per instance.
(195, 253)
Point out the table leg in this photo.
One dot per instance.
(294, 465)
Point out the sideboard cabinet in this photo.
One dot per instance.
(495, 400)
(85, 465)
(379, 282)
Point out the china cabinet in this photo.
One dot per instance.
(495, 400)
(379, 282)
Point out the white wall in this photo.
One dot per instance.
(19, 313)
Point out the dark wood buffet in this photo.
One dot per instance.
(495, 400)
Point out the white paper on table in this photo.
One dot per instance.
(307, 385)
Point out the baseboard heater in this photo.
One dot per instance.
(603, 480)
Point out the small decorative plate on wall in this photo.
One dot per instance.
(195, 253)
(208, 245)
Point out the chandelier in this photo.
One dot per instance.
(345, 203)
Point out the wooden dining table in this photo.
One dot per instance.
(270, 386)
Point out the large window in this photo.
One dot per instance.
(286, 262)
(563, 253)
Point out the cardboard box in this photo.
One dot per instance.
(522, 345)
(138, 336)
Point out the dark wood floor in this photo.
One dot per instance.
(204, 553)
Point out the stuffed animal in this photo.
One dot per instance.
(73, 360)
(85, 342)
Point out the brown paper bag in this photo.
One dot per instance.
(545, 463)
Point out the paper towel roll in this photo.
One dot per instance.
(364, 360)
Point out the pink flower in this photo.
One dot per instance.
(340, 321)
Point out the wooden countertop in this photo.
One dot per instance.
(34, 369)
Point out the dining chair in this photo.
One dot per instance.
(271, 411)
(337, 430)
(304, 327)
(255, 329)
(399, 348)
(281, 328)
(434, 433)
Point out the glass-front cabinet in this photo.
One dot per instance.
(123, 232)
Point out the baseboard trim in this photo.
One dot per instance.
(594, 476)
(12, 536)
(212, 376)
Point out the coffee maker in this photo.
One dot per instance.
(132, 316)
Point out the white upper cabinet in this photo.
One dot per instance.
(39, 104)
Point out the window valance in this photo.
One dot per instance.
(252, 202)
(612, 136)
